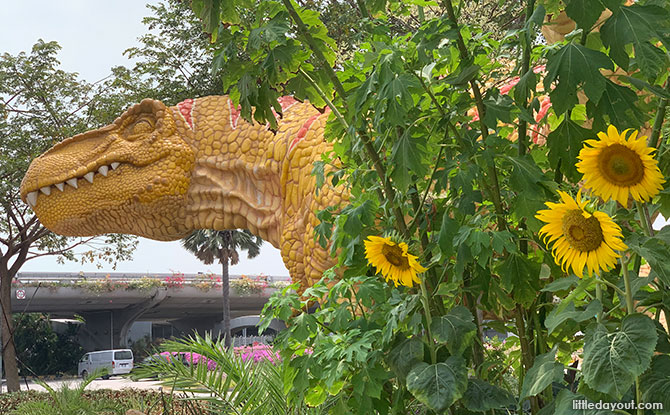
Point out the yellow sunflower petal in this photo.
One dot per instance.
(579, 239)
(392, 260)
(620, 165)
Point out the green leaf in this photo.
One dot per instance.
(404, 356)
(274, 30)
(482, 396)
(619, 104)
(438, 386)
(656, 251)
(655, 383)
(565, 142)
(463, 74)
(557, 317)
(612, 361)
(520, 277)
(525, 174)
(395, 99)
(584, 12)
(565, 405)
(544, 372)
(525, 87)
(358, 216)
(316, 396)
(642, 85)
(455, 329)
(448, 230)
(561, 284)
(636, 25)
(498, 108)
(571, 67)
(537, 18)
(407, 156)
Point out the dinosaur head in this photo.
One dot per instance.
(131, 176)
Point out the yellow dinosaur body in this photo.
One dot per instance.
(162, 172)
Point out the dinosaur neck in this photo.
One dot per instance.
(240, 176)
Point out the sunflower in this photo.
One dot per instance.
(580, 238)
(615, 166)
(392, 260)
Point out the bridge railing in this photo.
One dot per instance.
(102, 282)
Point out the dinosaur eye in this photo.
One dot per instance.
(141, 127)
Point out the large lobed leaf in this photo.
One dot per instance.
(571, 67)
(438, 386)
(455, 329)
(544, 372)
(612, 361)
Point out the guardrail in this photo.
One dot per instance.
(106, 282)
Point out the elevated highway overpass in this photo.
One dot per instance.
(111, 302)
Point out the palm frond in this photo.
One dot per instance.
(234, 386)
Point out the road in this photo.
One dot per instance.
(114, 383)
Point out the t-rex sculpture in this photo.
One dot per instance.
(162, 172)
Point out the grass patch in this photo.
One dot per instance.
(117, 402)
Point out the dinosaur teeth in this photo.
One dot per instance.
(60, 186)
(72, 182)
(103, 170)
(32, 199)
(115, 165)
(46, 190)
(89, 177)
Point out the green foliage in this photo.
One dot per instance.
(106, 401)
(612, 361)
(455, 329)
(481, 396)
(427, 107)
(227, 382)
(41, 350)
(544, 372)
(656, 381)
(68, 401)
(439, 385)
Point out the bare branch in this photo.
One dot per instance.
(12, 98)
(61, 251)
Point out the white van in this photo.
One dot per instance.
(117, 362)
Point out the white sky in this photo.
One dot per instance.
(93, 36)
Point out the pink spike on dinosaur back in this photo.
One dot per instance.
(286, 102)
(234, 113)
(186, 110)
(302, 132)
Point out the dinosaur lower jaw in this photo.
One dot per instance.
(147, 201)
(162, 219)
(69, 183)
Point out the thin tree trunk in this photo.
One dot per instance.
(225, 288)
(8, 349)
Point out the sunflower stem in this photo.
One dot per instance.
(429, 321)
(599, 296)
(644, 219)
(655, 139)
(614, 287)
(630, 308)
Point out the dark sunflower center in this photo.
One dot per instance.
(621, 165)
(394, 255)
(583, 234)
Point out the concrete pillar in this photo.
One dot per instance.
(109, 329)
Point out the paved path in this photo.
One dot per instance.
(114, 383)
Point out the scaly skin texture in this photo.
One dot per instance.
(162, 172)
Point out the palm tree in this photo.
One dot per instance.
(208, 245)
